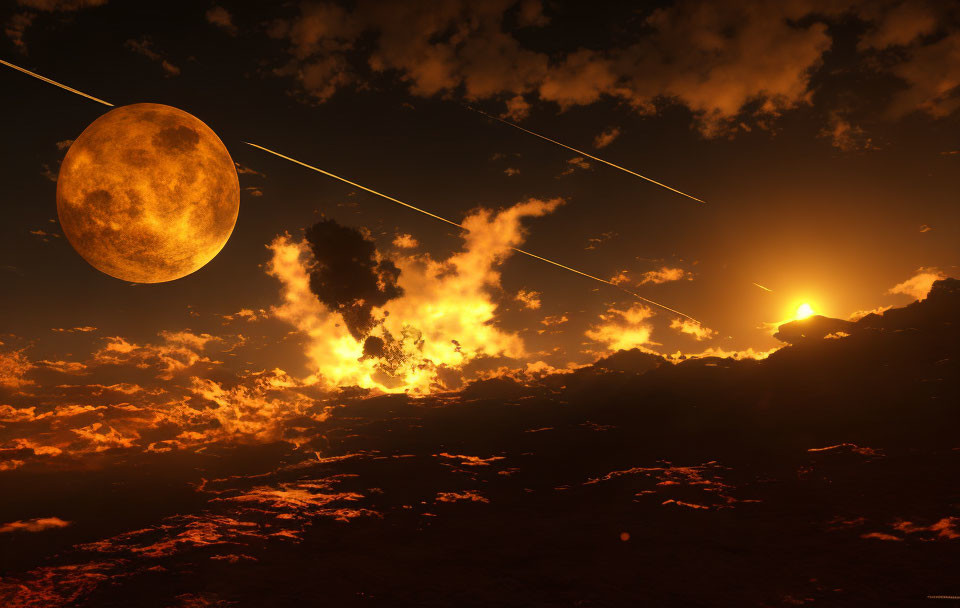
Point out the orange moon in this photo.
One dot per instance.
(148, 193)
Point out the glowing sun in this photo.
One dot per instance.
(804, 311)
(148, 193)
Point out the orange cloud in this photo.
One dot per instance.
(947, 528)
(918, 286)
(37, 524)
(859, 314)
(64, 367)
(554, 320)
(665, 274)
(900, 25)
(622, 329)
(36, 447)
(246, 314)
(466, 496)
(177, 352)
(606, 138)
(529, 299)
(845, 136)
(99, 437)
(577, 162)
(698, 331)
(14, 366)
(94, 418)
(932, 74)
(721, 353)
(260, 409)
(8, 413)
(245, 170)
(517, 108)
(621, 278)
(595, 241)
(221, 17)
(405, 241)
(715, 59)
(444, 319)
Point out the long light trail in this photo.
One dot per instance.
(55, 83)
(581, 152)
(452, 223)
(408, 205)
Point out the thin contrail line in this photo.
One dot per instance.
(399, 202)
(452, 223)
(763, 288)
(54, 82)
(599, 160)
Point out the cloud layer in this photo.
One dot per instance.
(730, 64)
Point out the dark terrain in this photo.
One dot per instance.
(825, 475)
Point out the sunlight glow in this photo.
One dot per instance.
(804, 311)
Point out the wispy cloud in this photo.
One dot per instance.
(692, 328)
(37, 524)
(221, 17)
(623, 329)
(918, 286)
(530, 299)
(144, 47)
(606, 138)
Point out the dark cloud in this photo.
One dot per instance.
(222, 18)
(932, 74)
(349, 277)
(846, 136)
(17, 25)
(144, 47)
(60, 5)
(636, 459)
(244, 170)
(715, 59)
(812, 328)
(732, 64)
(936, 297)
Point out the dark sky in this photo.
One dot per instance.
(821, 135)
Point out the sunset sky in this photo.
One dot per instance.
(479, 303)
(822, 136)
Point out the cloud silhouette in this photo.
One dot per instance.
(349, 277)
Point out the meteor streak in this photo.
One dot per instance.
(55, 83)
(452, 223)
(599, 160)
(418, 209)
(763, 288)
